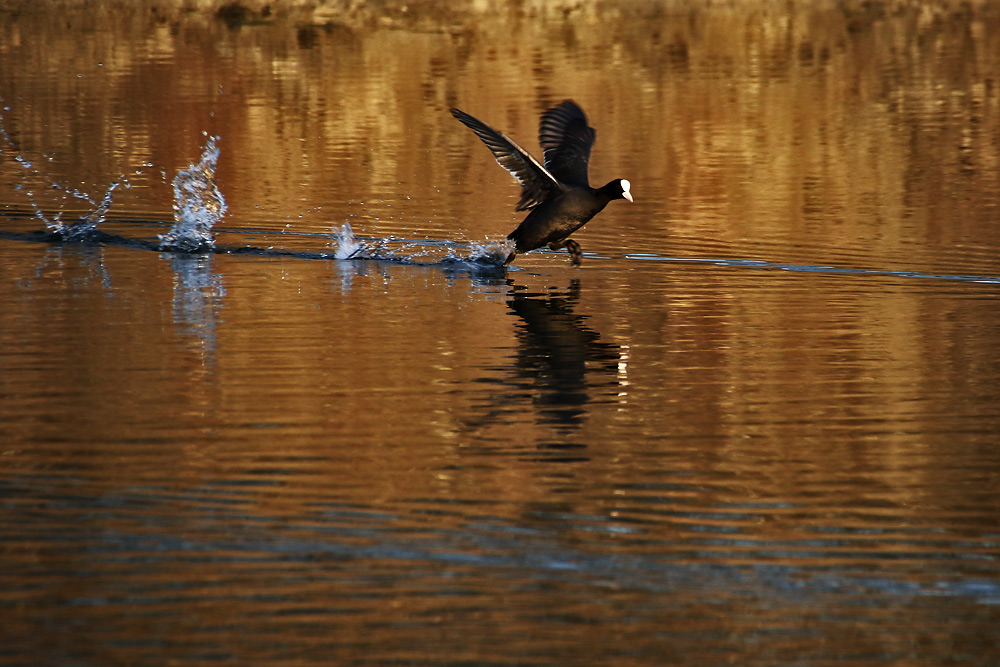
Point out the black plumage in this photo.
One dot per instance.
(557, 193)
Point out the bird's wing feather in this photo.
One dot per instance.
(566, 139)
(536, 181)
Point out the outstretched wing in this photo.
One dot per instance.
(566, 139)
(536, 181)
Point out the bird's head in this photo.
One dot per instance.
(625, 185)
(618, 189)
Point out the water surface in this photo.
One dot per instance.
(759, 425)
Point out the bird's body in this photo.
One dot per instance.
(557, 193)
(557, 217)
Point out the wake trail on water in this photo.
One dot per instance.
(199, 205)
(489, 253)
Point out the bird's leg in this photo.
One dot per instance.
(575, 251)
(510, 258)
(573, 247)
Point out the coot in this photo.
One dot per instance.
(558, 193)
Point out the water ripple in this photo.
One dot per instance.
(811, 268)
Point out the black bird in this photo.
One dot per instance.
(558, 193)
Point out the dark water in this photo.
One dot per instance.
(758, 426)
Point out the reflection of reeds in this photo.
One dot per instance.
(753, 113)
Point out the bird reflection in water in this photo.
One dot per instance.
(562, 360)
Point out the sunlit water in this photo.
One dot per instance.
(759, 425)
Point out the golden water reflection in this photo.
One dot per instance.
(293, 461)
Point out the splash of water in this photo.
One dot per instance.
(87, 224)
(347, 245)
(198, 205)
(77, 230)
(491, 253)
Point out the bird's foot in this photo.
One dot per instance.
(576, 254)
